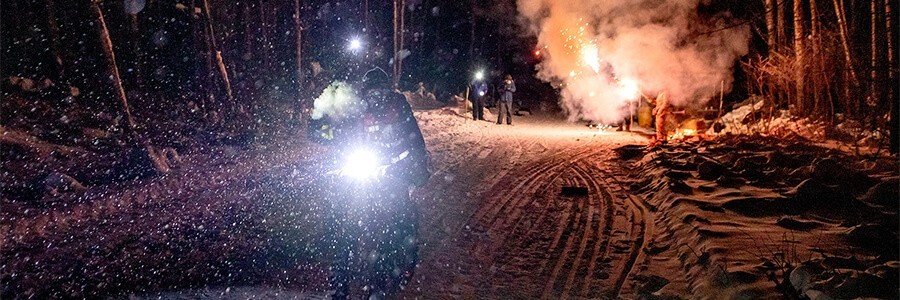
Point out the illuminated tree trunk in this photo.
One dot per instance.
(816, 62)
(850, 71)
(800, 54)
(111, 68)
(772, 34)
(781, 20)
(217, 55)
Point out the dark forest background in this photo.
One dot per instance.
(181, 72)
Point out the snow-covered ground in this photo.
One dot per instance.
(246, 223)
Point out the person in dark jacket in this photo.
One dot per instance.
(478, 100)
(378, 220)
(507, 88)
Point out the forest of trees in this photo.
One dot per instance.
(160, 69)
(833, 60)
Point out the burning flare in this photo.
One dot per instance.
(632, 46)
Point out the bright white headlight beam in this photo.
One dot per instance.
(355, 44)
(479, 75)
(361, 164)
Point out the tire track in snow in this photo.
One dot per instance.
(643, 219)
(537, 174)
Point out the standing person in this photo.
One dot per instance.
(660, 111)
(507, 88)
(478, 101)
(370, 211)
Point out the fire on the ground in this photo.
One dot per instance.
(691, 128)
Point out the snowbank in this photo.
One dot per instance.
(754, 116)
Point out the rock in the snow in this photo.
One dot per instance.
(890, 271)
(872, 236)
(812, 192)
(708, 170)
(855, 284)
(794, 224)
(56, 183)
(829, 171)
(802, 278)
(884, 193)
(802, 172)
(630, 151)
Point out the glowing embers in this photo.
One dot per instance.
(690, 129)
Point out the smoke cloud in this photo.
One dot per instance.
(338, 101)
(603, 53)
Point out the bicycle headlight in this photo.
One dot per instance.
(361, 164)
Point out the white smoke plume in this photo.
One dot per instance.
(338, 101)
(600, 53)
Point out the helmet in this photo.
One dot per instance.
(375, 78)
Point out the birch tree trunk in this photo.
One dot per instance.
(850, 71)
(113, 71)
(800, 54)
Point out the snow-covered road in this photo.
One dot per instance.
(493, 222)
(496, 225)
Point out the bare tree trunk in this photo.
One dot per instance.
(395, 76)
(402, 35)
(850, 71)
(53, 31)
(266, 42)
(873, 59)
(222, 70)
(800, 53)
(112, 69)
(248, 33)
(881, 61)
(814, 60)
(781, 19)
(299, 29)
(772, 35)
(892, 78)
(472, 35)
(136, 50)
